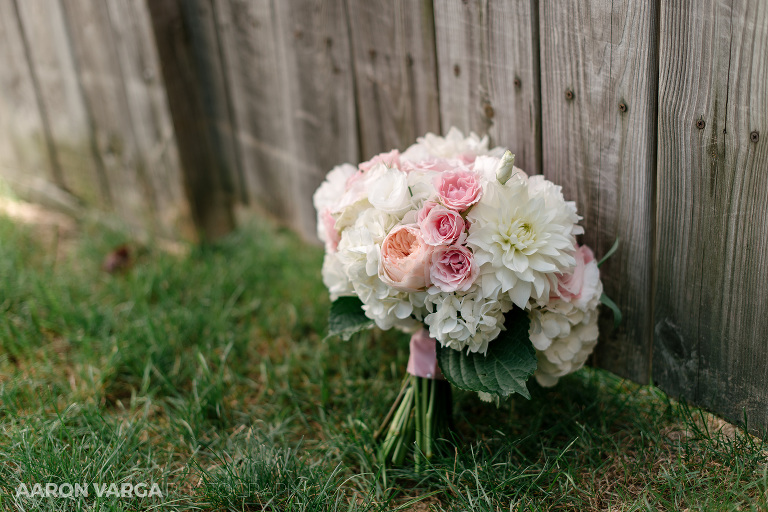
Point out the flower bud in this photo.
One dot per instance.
(505, 168)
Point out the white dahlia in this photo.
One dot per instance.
(522, 234)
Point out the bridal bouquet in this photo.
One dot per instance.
(453, 243)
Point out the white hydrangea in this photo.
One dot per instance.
(465, 321)
(453, 145)
(335, 278)
(522, 234)
(334, 186)
(564, 331)
(327, 196)
(568, 353)
(401, 310)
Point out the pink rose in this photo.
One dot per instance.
(569, 286)
(391, 159)
(405, 259)
(458, 189)
(441, 226)
(453, 268)
(428, 205)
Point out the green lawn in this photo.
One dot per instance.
(207, 374)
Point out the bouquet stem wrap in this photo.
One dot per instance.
(422, 413)
(423, 359)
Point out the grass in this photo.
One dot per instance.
(208, 374)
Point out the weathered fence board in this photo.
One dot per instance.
(291, 85)
(61, 101)
(105, 98)
(80, 127)
(260, 123)
(489, 75)
(598, 76)
(710, 324)
(155, 152)
(24, 138)
(393, 51)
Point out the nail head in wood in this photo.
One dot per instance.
(754, 136)
(517, 83)
(623, 107)
(700, 124)
(568, 94)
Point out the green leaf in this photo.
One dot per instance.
(347, 317)
(613, 249)
(503, 370)
(613, 307)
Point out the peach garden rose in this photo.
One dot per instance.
(405, 259)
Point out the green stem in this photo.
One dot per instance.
(418, 397)
(430, 419)
(420, 417)
(407, 435)
(395, 406)
(397, 427)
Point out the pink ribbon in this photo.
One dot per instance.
(423, 359)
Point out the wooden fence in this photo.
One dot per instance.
(652, 115)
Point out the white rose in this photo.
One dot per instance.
(388, 189)
(421, 187)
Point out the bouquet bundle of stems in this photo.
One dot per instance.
(420, 418)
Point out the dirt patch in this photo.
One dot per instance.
(54, 230)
